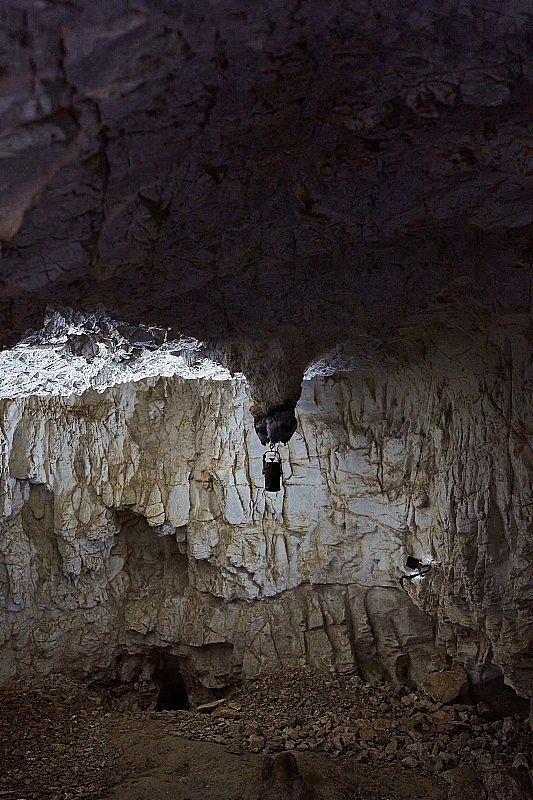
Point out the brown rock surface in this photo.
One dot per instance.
(465, 784)
(446, 685)
(281, 779)
(508, 784)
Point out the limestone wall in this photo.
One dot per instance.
(134, 524)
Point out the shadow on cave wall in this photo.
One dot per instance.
(500, 700)
(151, 560)
(37, 517)
(146, 674)
(157, 679)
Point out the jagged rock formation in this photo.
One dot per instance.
(136, 532)
(277, 180)
(281, 778)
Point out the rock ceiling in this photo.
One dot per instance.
(276, 176)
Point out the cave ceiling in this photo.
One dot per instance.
(276, 176)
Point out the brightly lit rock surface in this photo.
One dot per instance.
(135, 523)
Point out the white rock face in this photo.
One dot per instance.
(135, 524)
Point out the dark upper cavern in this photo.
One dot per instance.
(275, 177)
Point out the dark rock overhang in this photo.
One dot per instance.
(278, 177)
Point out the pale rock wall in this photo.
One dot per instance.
(134, 525)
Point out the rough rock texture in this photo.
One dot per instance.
(465, 784)
(136, 536)
(305, 711)
(281, 778)
(508, 784)
(279, 175)
(446, 685)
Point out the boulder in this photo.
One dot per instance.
(281, 780)
(465, 784)
(446, 686)
(507, 783)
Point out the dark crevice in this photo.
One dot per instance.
(499, 699)
(278, 425)
(172, 694)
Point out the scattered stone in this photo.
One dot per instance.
(442, 716)
(207, 708)
(235, 748)
(226, 713)
(484, 710)
(55, 741)
(256, 743)
(520, 760)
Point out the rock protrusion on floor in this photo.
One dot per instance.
(282, 780)
(500, 783)
(465, 784)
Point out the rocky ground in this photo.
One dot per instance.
(62, 741)
(307, 712)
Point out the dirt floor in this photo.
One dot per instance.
(177, 769)
(144, 761)
(61, 741)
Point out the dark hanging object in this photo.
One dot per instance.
(272, 470)
(414, 563)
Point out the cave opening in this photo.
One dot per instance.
(499, 700)
(172, 695)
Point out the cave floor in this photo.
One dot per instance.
(142, 760)
(164, 766)
(62, 741)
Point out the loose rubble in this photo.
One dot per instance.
(56, 742)
(303, 711)
(58, 738)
